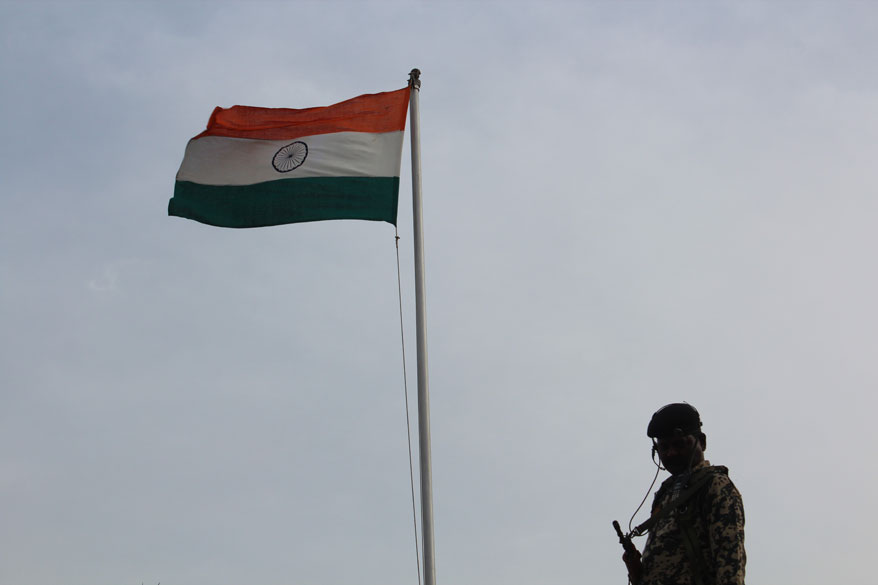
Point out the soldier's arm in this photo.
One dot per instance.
(726, 531)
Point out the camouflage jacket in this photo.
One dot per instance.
(702, 541)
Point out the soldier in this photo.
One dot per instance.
(696, 529)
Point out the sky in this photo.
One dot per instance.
(626, 204)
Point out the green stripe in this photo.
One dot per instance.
(287, 201)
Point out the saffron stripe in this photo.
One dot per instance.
(377, 112)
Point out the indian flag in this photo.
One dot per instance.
(256, 167)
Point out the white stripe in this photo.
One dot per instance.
(219, 160)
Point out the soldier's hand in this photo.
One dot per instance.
(635, 567)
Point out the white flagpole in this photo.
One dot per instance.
(421, 323)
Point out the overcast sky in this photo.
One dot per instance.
(626, 204)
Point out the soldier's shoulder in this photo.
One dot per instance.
(720, 482)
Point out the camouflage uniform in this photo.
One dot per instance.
(715, 517)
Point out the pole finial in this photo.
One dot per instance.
(415, 79)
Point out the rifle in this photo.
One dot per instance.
(624, 540)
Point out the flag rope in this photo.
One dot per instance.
(408, 425)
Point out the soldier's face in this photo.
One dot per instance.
(678, 453)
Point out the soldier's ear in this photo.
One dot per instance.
(703, 439)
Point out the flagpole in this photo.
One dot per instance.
(425, 460)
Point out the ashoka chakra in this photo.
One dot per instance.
(290, 157)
